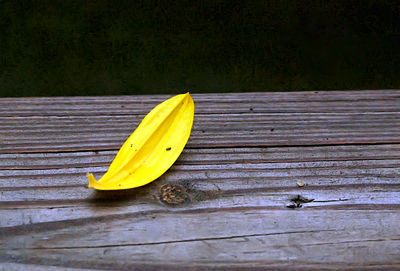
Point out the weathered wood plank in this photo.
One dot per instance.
(336, 176)
(247, 238)
(216, 97)
(32, 123)
(208, 156)
(270, 165)
(272, 195)
(209, 108)
(35, 267)
(239, 175)
(31, 126)
(71, 134)
(370, 197)
(368, 101)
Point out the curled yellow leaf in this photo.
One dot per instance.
(152, 148)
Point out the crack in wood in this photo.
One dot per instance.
(354, 241)
(173, 241)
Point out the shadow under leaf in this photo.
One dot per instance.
(119, 197)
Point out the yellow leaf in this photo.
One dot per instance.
(152, 148)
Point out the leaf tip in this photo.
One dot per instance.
(92, 180)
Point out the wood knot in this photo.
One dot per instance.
(172, 194)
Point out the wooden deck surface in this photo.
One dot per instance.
(240, 206)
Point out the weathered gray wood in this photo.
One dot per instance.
(368, 101)
(73, 207)
(35, 267)
(217, 238)
(207, 156)
(239, 174)
(105, 133)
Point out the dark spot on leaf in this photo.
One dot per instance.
(168, 149)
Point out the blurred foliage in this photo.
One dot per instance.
(104, 47)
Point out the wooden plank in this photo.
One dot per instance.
(80, 203)
(214, 108)
(276, 193)
(35, 122)
(336, 177)
(191, 159)
(208, 156)
(34, 125)
(35, 267)
(340, 95)
(238, 238)
(97, 133)
(366, 101)
(241, 207)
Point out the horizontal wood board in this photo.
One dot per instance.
(240, 173)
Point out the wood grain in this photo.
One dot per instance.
(42, 134)
(239, 174)
(320, 101)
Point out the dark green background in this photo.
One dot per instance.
(134, 47)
